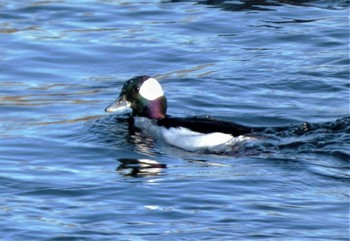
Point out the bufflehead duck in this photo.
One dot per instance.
(145, 96)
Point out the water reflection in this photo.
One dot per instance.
(140, 167)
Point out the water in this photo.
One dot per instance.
(66, 172)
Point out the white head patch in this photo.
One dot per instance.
(151, 89)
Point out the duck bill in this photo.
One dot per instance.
(120, 105)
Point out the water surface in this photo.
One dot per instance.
(66, 172)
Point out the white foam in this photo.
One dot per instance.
(151, 89)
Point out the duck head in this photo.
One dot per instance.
(144, 96)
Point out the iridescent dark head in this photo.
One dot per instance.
(144, 96)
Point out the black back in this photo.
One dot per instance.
(205, 125)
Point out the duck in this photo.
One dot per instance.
(144, 97)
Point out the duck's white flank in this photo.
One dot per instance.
(182, 137)
(151, 89)
(192, 141)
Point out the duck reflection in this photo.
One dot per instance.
(140, 167)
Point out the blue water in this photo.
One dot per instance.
(65, 164)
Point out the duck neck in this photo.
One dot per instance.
(155, 109)
(158, 108)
